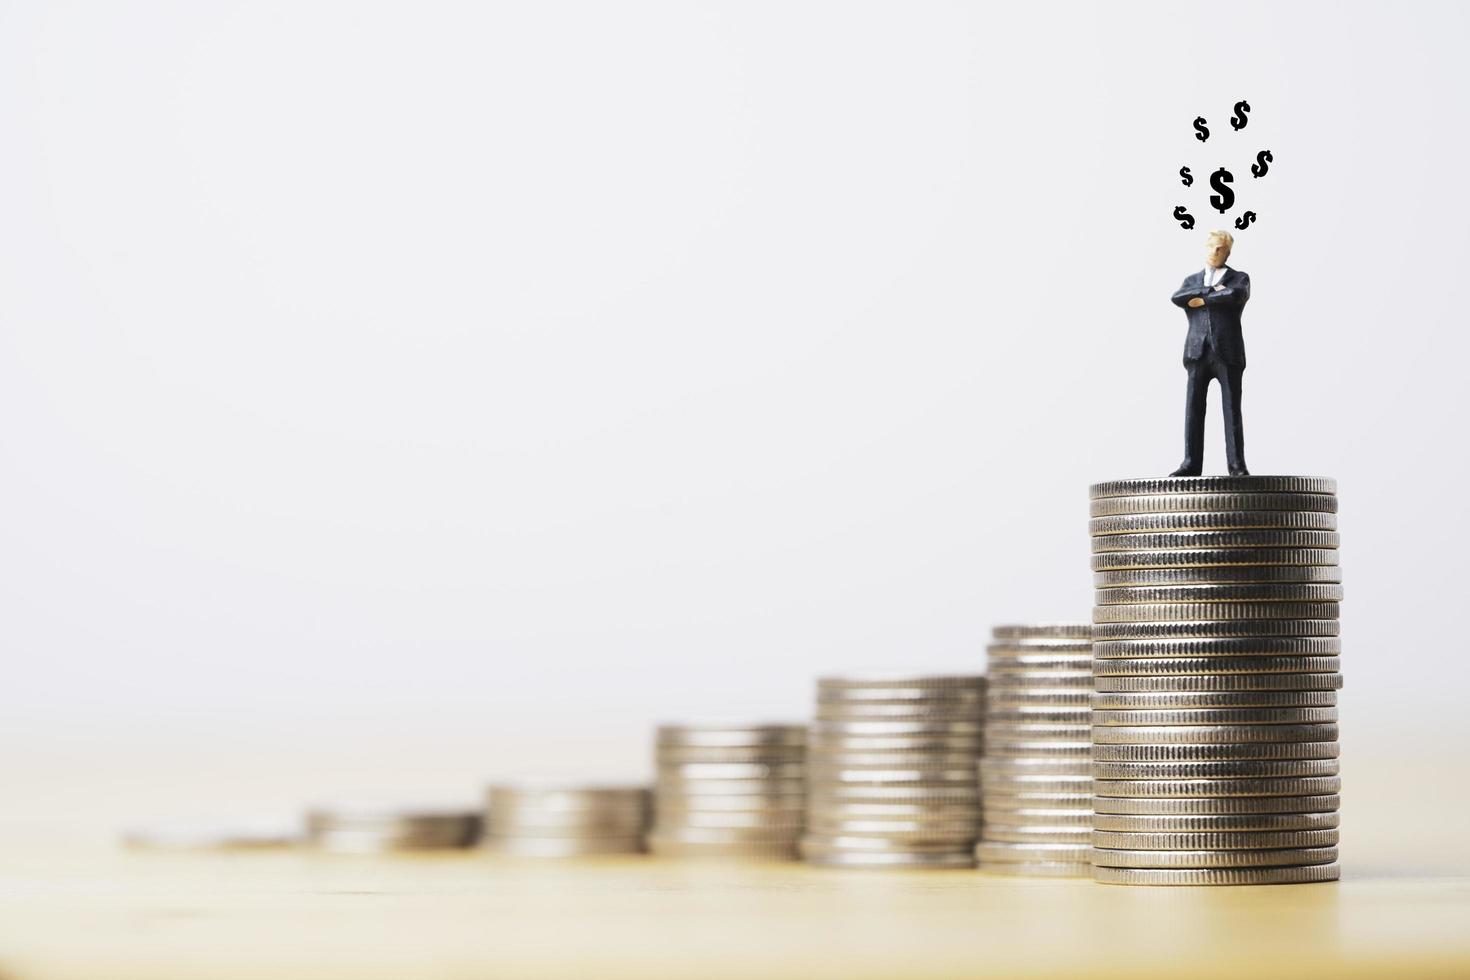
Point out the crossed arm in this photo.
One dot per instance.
(1195, 296)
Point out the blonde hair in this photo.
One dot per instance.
(1223, 236)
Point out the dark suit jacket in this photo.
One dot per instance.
(1218, 321)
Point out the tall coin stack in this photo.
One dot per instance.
(1036, 775)
(566, 821)
(1216, 671)
(729, 791)
(891, 771)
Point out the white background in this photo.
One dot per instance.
(395, 396)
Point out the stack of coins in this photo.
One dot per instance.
(729, 791)
(1216, 670)
(566, 821)
(891, 772)
(373, 829)
(1036, 776)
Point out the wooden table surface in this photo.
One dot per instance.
(96, 910)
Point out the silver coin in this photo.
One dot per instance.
(1023, 714)
(1233, 840)
(1003, 852)
(933, 862)
(1210, 612)
(1203, 540)
(1218, 769)
(1040, 648)
(897, 712)
(1215, 806)
(563, 847)
(363, 841)
(1204, 683)
(1214, 753)
(206, 836)
(898, 746)
(1016, 767)
(997, 787)
(1045, 631)
(862, 843)
(1225, 520)
(1035, 749)
(779, 820)
(726, 835)
(1004, 666)
(731, 770)
(1214, 484)
(1026, 800)
(1164, 666)
(1216, 716)
(1076, 677)
(1218, 575)
(1212, 734)
(752, 755)
(1228, 823)
(1037, 869)
(938, 682)
(567, 797)
(892, 777)
(1177, 700)
(1211, 558)
(822, 730)
(895, 760)
(1254, 646)
(1300, 874)
(1175, 503)
(554, 824)
(673, 800)
(1000, 731)
(1204, 788)
(824, 796)
(904, 832)
(720, 735)
(1236, 628)
(997, 833)
(1072, 818)
(857, 696)
(1076, 697)
(745, 788)
(1268, 592)
(1103, 857)
(750, 851)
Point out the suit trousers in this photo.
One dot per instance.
(1201, 371)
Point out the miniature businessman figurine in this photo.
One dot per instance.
(1213, 299)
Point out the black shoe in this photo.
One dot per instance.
(1187, 468)
(1240, 471)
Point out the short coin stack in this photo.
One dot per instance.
(729, 791)
(566, 821)
(1216, 670)
(1036, 776)
(891, 771)
(374, 829)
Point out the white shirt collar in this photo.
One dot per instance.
(1213, 276)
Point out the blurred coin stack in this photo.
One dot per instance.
(1215, 645)
(729, 791)
(891, 771)
(566, 821)
(1036, 775)
(373, 829)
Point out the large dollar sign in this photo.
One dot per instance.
(1202, 132)
(1259, 168)
(1237, 121)
(1188, 177)
(1224, 200)
(1244, 221)
(1185, 219)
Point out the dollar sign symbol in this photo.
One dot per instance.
(1185, 219)
(1188, 179)
(1202, 131)
(1225, 199)
(1244, 221)
(1237, 121)
(1259, 168)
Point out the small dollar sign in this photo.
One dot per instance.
(1245, 220)
(1237, 121)
(1188, 178)
(1185, 219)
(1225, 199)
(1202, 132)
(1259, 168)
